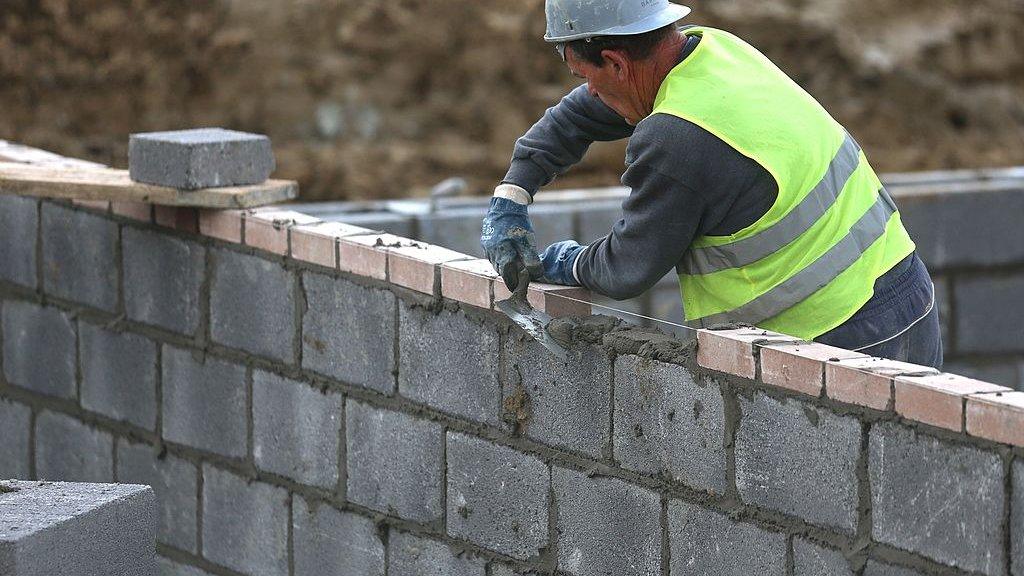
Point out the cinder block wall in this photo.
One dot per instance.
(308, 398)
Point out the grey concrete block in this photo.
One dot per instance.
(245, 524)
(154, 296)
(409, 555)
(327, 541)
(597, 218)
(940, 500)
(799, 460)
(874, 568)
(62, 529)
(395, 462)
(15, 420)
(39, 349)
(1017, 520)
(497, 497)
(252, 305)
(19, 222)
(809, 559)
(204, 402)
(118, 375)
(199, 158)
(449, 362)
(397, 224)
(666, 423)
(989, 314)
(166, 567)
(79, 257)
(561, 404)
(455, 228)
(296, 430)
(705, 543)
(1005, 372)
(68, 450)
(348, 332)
(174, 483)
(606, 526)
(552, 222)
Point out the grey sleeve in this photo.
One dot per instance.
(561, 137)
(685, 183)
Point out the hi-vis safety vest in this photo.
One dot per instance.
(811, 261)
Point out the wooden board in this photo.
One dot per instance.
(115, 185)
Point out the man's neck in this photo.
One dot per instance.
(652, 72)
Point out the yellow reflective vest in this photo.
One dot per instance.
(811, 261)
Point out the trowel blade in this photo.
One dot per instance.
(533, 321)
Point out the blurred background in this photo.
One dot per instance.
(372, 99)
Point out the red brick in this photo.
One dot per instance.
(223, 224)
(135, 210)
(415, 265)
(180, 218)
(554, 299)
(938, 400)
(867, 381)
(101, 205)
(366, 255)
(732, 351)
(998, 417)
(317, 243)
(799, 367)
(268, 229)
(469, 281)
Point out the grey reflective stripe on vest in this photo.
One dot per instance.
(869, 228)
(797, 221)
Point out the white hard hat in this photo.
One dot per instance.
(569, 20)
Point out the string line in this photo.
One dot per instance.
(616, 310)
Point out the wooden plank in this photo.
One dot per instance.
(115, 185)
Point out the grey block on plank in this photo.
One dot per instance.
(19, 222)
(799, 460)
(395, 462)
(68, 450)
(162, 277)
(606, 526)
(118, 375)
(450, 362)
(942, 501)
(706, 543)
(79, 256)
(66, 529)
(199, 158)
(809, 559)
(989, 313)
(667, 423)
(409, 555)
(39, 349)
(15, 421)
(174, 482)
(204, 402)
(245, 524)
(348, 332)
(327, 541)
(296, 430)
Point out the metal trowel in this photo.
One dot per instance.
(533, 321)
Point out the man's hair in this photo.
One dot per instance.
(636, 46)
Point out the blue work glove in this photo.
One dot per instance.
(558, 260)
(508, 239)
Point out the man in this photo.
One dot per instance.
(765, 205)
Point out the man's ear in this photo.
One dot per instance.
(617, 60)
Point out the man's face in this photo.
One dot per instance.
(609, 83)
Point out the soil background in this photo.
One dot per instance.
(370, 99)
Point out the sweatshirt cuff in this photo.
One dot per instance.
(576, 263)
(513, 193)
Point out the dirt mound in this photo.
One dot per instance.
(372, 99)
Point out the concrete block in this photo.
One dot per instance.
(62, 529)
(79, 256)
(597, 218)
(152, 293)
(989, 314)
(19, 222)
(204, 403)
(497, 497)
(409, 555)
(560, 404)
(395, 462)
(456, 229)
(874, 568)
(552, 222)
(174, 482)
(1017, 520)
(166, 567)
(1003, 372)
(245, 524)
(199, 158)
(397, 224)
(605, 526)
(327, 541)
(449, 362)
(705, 543)
(939, 500)
(809, 559)
(799, 460)
(296, 430)
(252, 305)
(348, 332)
(668, 424)
(39, 349)
(15, 421)
(68, 450)
(118, 375)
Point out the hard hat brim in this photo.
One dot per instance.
(672, 13)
